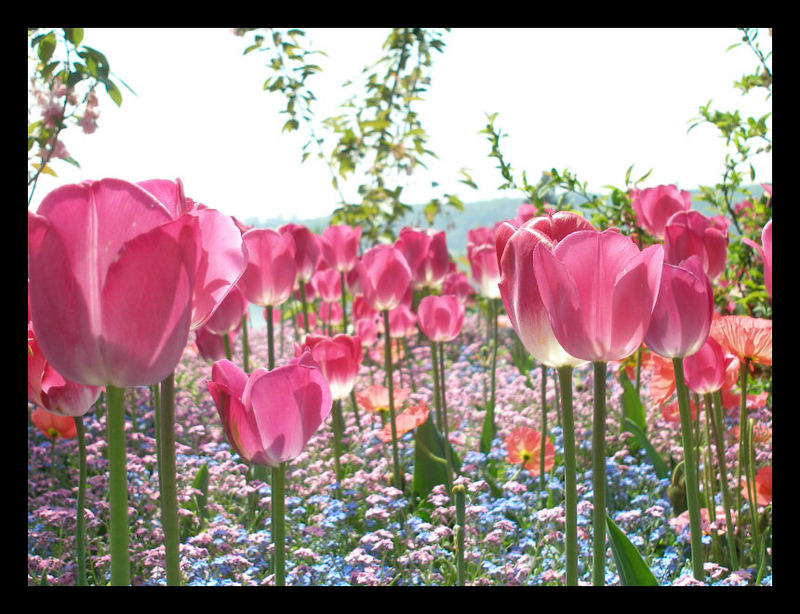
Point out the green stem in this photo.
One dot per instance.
(708, 472)
(305, 305)
(80, 520)
(570, 470)
(118, 530)
(270, 340)
(437, 398)
(53, 462)
(459, 494)
(690, 470)
(226, 342)
(448, 453)
(337, 438)
(344, 303)
(742, 447)
(354, 404)
(639, 371)
(544, 427)
(489, 430)
(279, 523)
(387, 358)
(598, 474)
(751, 492)
(716, 426)
(245, 345)
(167, 478)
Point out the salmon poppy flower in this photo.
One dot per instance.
(745, 337)
(404, 422)
(523, 446)
(54, 425)
(376, 398)
(763, 486)
(671, 411)
(662, 380)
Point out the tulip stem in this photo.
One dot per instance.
(344, 303)
(80, 519)
(270, 340)
(488, 432)
(245, 345)
(226, 342)
(355, 407)
(118, 531)
(305, 305)
(387, 354)
(716, 426)
(167, 478)
(278, 523)
(690, 470)
(544, 427)
(742, 447)
(570, 490)
(437, 398)
(598, 474)
(459, 494)
(337, 438)
(448, 453)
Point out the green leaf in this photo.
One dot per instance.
(74, 35)
(201, 483)
(631, 403)
(659, 466)
(114, 93)
(428, 471)
(632, 569)
(47, 46)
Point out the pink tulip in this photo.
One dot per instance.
(367, 330)
(328, 284)
(221, 255)
(339, 357)
(681, 318)
(269, 276)
(307, 249)
(654, 206)
(485, 272)
(599, 291)
(765, 251)
(476, 237)
(385, 277)
(402, 322)
(211, 346)
(228, 315)
(692, 233)
(440, 317)
(457, 284)
(519, 290)
(330, 313)
(339, 246)
(426, 254)
(112, 279)
(270, 416)
(50, 391)
(704, 371)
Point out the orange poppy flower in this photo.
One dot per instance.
(745, 337)
(671, 412)
(54, 425)
(523, 446)
(662, 384)
(404, 422)
(376, 398)
(763, 486)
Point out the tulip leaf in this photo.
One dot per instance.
(201, 483)
(659, 466)
(631, 403)
(632, 569)
(429, 464)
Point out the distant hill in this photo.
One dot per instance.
(457, 223)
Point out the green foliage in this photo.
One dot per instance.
(632, 569)
(60, 66)
(379, 138)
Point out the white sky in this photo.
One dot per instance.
(593, 101)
